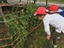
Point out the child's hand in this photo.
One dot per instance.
(48, 37)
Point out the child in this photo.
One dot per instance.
(55, 20)
(53, 9)
(59, 10)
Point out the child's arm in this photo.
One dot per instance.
(47, 29)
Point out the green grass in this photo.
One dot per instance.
(37, 39)
(57, 1)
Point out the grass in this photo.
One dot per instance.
(37, 39)
(57, 1)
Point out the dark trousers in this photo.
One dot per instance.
(53, 39)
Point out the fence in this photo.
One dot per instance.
(14, 28)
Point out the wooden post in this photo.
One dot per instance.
(4, 18)
(46, 3)
(34, 1)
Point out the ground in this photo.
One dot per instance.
(61, 42)
(37, 39)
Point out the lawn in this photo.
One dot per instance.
(57, 1)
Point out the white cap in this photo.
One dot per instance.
(60, 10)
(47, 10)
